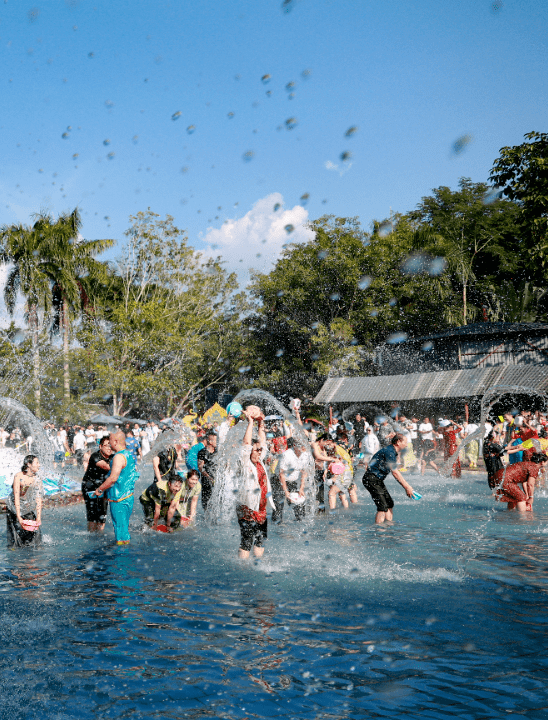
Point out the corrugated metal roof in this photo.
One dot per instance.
(486, 328)
(419, 386)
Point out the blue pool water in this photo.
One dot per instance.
(441, 615)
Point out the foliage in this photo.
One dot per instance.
(162, 333)
(522, 172)
(477, 233)
(328, 302)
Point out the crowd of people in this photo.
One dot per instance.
(304, 470)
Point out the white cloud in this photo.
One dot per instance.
(255, 241)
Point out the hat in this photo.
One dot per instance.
(444, 423)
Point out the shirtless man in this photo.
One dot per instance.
(320, 449)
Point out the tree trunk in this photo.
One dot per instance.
(66, 369)
(464, 311)
(33, 322)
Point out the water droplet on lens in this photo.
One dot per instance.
(289, 229)
(290, 86)
(385, 228)
(266, 79)
(280, 293)
(184, 169)
(244, 369)
(305, 197)
(110, 156)
(75, 156)
(393, 302)
(277, 206)
(346, 155)
(437, 266)
(380, 419)
(364, 282)
(315, 356)
(461, 144)
(135, 138)
(306, 73)
(109, 104)
(427, 346)
(351, 131)
(249, 155)
(415, 264)
(335, 296)
(354, 341)
(497, 6)
(397, 338)
(65, 135)
(230, 115)
(374, 313)
(315, 325)
(493, 194)
(176, 115)
(279, 353)
(106, 142)
(190, 129)
(91, 55)
(322, 254)
(290, 123)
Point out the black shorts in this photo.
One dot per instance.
(96, 508)
(377, 489)
(251, 532)
(428, 446)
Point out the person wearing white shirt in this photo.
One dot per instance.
(79, 446)
(370, 445)
(4, 435)
(293, 470)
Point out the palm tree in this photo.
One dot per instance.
(23, 246)
(54, 268)
(73, 270)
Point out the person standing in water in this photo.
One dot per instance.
(96, 472)
(24, 506)
(323, 445)
(120, 485)
(383, 463)
(254, 490)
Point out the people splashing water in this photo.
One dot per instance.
(119, 486)
(254, 490)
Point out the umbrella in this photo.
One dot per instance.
(102, 419)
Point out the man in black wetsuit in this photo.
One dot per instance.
(206, 466)
(97, 471)
(382, 463)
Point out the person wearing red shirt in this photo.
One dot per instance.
(523, 473)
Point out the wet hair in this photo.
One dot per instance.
(290, 443)
(211, 433)
(324, 436)
(538, 458)
(29, 459)
(190, 473)
(398, 437)
(104, 439)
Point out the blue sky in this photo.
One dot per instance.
(412, 77)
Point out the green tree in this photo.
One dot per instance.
(522, 172)
(73, 270)
(327, 303)
(25, 247)
(160, 325)
(476, 233)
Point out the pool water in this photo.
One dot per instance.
(442, 614)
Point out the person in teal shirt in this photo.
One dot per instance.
(119, 486)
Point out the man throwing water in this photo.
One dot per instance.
(120, 485)
(383, 463)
